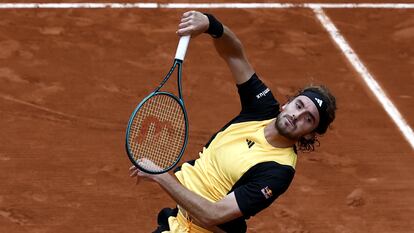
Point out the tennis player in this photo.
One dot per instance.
(251, 161)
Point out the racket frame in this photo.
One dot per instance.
(176, 65)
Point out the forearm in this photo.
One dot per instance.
(231, 50)
(226, 42)
(199, 208)
(228, 45)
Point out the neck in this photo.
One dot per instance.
(275, 139)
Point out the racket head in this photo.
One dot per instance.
(157, 133)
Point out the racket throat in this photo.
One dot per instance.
(176, 65)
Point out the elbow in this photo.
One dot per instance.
(212, 218)
(210, 221)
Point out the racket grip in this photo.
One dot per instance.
(182, 47)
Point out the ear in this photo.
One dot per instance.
(309, 136)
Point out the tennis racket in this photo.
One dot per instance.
(157, 131)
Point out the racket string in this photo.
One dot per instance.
(158, 132)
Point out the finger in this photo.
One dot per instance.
(185, 24)
(141, 174)
(183, 20)
(134, 173)
(184, 31)
(132, 168)
(188, 13)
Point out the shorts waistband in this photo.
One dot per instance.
(185, 220)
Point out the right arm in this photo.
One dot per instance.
(228, 45)
(231, 50)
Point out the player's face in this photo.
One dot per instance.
(298, 118)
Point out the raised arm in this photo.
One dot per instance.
(227, 44)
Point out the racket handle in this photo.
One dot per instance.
(182, 47)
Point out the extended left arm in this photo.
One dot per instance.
(208, 213)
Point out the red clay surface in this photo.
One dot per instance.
(69, 80)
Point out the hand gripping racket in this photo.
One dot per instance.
(157, 131)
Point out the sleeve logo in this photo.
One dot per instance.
(263, 93)
(267, 192)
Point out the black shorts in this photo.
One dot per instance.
(162, 220)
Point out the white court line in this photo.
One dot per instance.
(362, 5)
(204, 5)
(289, 5)
(366, 76)
(76, 5)
(233, 5)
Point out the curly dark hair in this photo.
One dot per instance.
(308, 144)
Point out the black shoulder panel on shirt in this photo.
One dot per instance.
(257, 101)
(257, 189)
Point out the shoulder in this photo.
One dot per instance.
(257, 100)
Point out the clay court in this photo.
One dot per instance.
(70, 78)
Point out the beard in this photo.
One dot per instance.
(283, 130)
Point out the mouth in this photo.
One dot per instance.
(289, 120)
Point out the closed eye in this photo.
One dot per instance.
(309, 119)
(299, 104)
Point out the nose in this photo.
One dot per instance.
(294, 118)
(298, 114)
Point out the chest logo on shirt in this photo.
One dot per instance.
(267, 192)
(249, 143)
